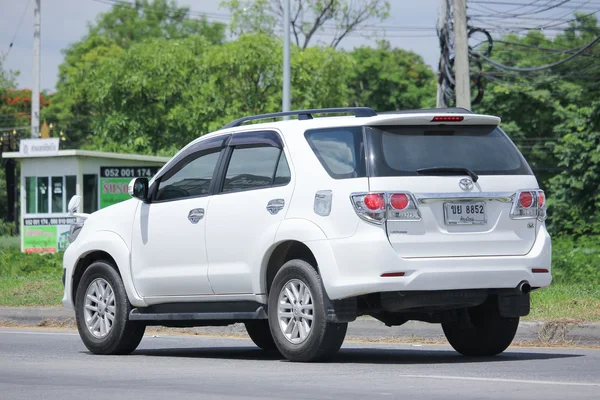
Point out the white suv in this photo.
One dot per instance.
(297, 227)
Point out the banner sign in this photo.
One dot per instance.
(114, 182)
(39, 147)
(46, 235)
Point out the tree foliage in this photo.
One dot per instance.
(157, 96)
(335, 19)
(125, 25)
(387, 79)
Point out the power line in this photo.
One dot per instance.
(533, 69)
(12, 41)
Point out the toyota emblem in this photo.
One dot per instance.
(465, 184)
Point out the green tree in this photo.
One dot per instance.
(575, 204)
(335, 19)
(387, 79)
(115, 31)
(157, 96)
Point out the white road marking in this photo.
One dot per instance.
(467, 378)
(38, 333)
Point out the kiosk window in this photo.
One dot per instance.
(90, 193)
(30, 192)
(42, 195)
(70, 182)
(57, 193)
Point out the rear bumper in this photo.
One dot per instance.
(353, 266)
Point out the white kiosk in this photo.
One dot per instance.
(50, 177)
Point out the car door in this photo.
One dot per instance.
(243, 216)
(168, 246)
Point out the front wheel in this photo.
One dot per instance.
(297, 315)
(489, 334)
(102, 312)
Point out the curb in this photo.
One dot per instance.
(362, 328)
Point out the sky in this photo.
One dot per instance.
(66, 21)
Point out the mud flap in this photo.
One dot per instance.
(514, 306)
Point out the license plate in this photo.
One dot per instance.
(464, 213)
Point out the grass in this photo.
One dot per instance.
(7, 242)
(566, 302)
(31, 291)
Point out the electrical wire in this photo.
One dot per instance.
(12, 41)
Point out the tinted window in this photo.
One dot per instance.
(402, 150)
(189, 178)
(283, 175)
(340, 151)
(251, 168)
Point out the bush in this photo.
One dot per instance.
(7, 228)
(15, 263)
(13, 242)
(576, 260)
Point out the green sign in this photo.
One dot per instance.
(114, 181)
(113, 190)
(40, 239)
(46, 235)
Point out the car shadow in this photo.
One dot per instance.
(355, 355)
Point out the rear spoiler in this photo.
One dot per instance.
(434, 119)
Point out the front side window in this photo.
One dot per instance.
(340, 151)
(253, 168)
(189, 178)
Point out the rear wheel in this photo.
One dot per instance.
(260, 333)
(102, 312)
(489, 334)
(297, 315)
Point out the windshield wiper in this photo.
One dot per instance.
(449, 170)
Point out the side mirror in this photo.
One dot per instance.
(73, 205)
(138, 188)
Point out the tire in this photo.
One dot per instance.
(323, 339)
(489, 335)
(119, 337)
(260, 333)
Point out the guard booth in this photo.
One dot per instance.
(50, 177)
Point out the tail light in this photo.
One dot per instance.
(529, 204)
(379, 207)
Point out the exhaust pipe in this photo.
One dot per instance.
(524, 287)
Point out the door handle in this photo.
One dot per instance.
(275, 205)
(196, 215)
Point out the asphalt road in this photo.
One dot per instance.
(38, 364)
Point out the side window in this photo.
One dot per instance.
(251, 168)
(340, 151)
(282, 175)
(190, 178)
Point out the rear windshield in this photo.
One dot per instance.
(402, 150)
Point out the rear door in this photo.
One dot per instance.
(462, 178)
(246, 210)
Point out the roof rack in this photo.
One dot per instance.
(359, 112)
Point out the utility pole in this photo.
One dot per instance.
(461, 55)
(286, 56)
(442, 29)
(35, 90)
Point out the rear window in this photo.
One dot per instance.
(340, 151)
(402, 150)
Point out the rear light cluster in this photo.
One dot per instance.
(378, 207)
(529, 204)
